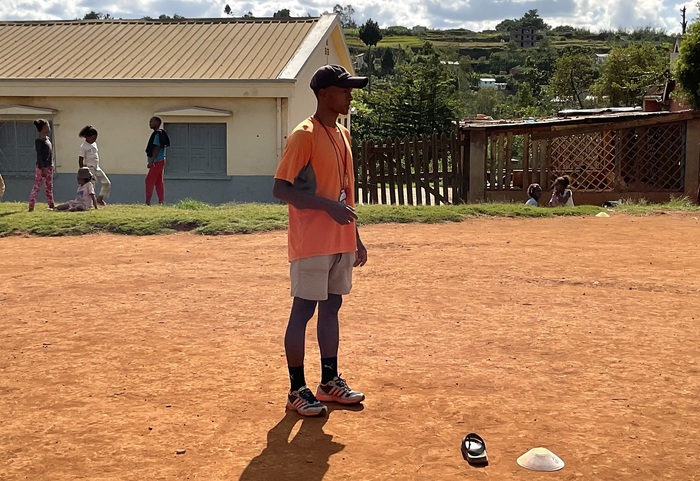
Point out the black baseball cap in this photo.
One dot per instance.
(335, 76)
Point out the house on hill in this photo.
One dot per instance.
(524, 37)
(228, 91)
(490, 83)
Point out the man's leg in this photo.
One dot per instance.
(328, 336)
(333, 388)
(295, 340)
(300, 397)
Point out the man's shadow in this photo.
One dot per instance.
(305, 456)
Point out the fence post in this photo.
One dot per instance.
(692, 158)
(477, 165)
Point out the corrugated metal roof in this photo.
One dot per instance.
(150, 49)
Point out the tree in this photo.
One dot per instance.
(573, 75)
(420, 99)
(687, 68)
(228, 11)
(250, 14)
(538, 67)
(370, 34)
(346, 15)
(506, 26)
(629, 71)
(533, 20)
(388, 62)
(530, 20)
(284, 13)
(92, 15)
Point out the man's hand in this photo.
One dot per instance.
(360, 255)
(342, 213)
(150, 164)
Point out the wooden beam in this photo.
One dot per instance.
(692, 158)
(477, 166)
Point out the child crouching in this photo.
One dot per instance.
(86, 193)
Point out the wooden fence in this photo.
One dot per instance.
(630, 155)
(419, 170)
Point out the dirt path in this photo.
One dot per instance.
(577, 334)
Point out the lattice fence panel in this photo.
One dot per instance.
(641, 160)
(653, 158)
(588, 158)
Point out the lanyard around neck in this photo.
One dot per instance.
(336, 149)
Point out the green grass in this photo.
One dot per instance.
(201, 218)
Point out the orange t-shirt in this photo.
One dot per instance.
(318, 159)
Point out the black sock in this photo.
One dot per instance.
(329, 368)
(296, 377)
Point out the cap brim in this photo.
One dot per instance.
(354, 82)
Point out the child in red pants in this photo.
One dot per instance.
(155, 151)
(43, 173)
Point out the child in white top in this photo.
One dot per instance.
(89, 157)
(86, 193)
(534, 192)
(561, 194)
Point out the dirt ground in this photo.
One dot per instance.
(577, 334)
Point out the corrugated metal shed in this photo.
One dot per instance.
(196, 49)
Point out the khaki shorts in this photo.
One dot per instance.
(313, 278)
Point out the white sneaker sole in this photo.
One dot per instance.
(313, 413)
(334, 399)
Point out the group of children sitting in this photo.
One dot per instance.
(561, 194)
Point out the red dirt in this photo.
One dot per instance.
(577, 334)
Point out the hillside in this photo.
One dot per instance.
(475, 45)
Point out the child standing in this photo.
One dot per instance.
(86, 193)
(43, 173)
(561, 194)
(534, 192)
(90, 158)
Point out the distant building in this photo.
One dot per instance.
(419, 29)
(449, 62)
(490, 83)
(600, 58)
(524, 37)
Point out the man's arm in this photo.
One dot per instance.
(361, 253)
(152, 159)
(340, 212)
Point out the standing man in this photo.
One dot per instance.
(315, 178)
(155, 151)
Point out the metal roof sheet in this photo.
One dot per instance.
(197, 49)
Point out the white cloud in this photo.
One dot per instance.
(472, 14)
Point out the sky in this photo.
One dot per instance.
(475, 15)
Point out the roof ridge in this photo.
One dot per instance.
(112, 21)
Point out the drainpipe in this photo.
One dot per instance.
(278, 130)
